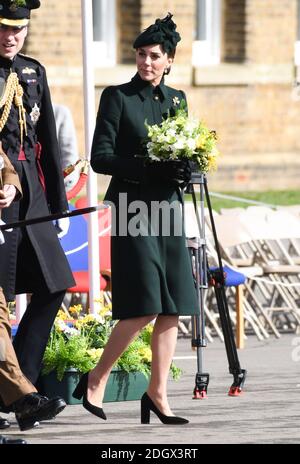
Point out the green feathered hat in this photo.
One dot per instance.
(162, 32)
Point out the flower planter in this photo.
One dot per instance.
(121, 386)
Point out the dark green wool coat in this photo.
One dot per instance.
(150, 274)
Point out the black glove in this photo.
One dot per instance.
(194, 166)
(176, 172)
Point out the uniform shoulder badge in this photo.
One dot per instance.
(28, 70)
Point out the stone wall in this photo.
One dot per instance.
(54, 38)
(270, 30)
(234, 34)
(248, 99)
(129, 26)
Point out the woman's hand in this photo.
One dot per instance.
(177, 172)
(7, 195)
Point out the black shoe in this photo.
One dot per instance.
(4, 424)
(147, 405)
(5, 409)
(12, 441)
(33, 408)
(81, 391)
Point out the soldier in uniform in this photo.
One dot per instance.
(16, 390)
(32, 260)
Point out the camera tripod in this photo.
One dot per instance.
(203, 277)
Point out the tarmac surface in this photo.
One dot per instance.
(268, 412)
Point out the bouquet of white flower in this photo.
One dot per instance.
(183, 137)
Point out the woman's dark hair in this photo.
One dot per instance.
(171, 54)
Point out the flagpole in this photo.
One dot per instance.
(89, 118)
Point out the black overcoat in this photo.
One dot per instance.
(151, 274)
(35, 251)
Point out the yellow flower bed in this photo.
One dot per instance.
(77, 341)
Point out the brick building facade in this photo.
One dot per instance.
(245, 90)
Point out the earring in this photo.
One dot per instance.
(166, 71)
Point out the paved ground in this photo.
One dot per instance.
(267, 412)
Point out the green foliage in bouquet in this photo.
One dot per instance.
(78, 343)
(181, 136)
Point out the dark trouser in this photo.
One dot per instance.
(13, 384)
(34, 329)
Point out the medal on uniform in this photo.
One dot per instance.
(35, 114)
(28, 71)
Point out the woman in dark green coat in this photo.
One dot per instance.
(151, 268)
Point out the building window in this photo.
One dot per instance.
(104, 32)
(207, 43)
(297, 44)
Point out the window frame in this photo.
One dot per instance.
(297, 42)
(207, 43)
(105, 50)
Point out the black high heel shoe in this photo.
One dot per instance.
(81, 391)
(147, 405)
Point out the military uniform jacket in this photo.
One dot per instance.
(49, 262)
(151, 273)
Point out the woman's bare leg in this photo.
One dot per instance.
(122, 335)
(163, 346)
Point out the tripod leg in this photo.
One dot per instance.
(239, 375)
(202, 379)
(201, 276)
(198, 323)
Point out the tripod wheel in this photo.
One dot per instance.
(199, 395)
(235, 391)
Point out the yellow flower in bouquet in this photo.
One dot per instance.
(181, 136)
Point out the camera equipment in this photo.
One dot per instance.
(204, 277)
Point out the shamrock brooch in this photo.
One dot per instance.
(176, 101)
